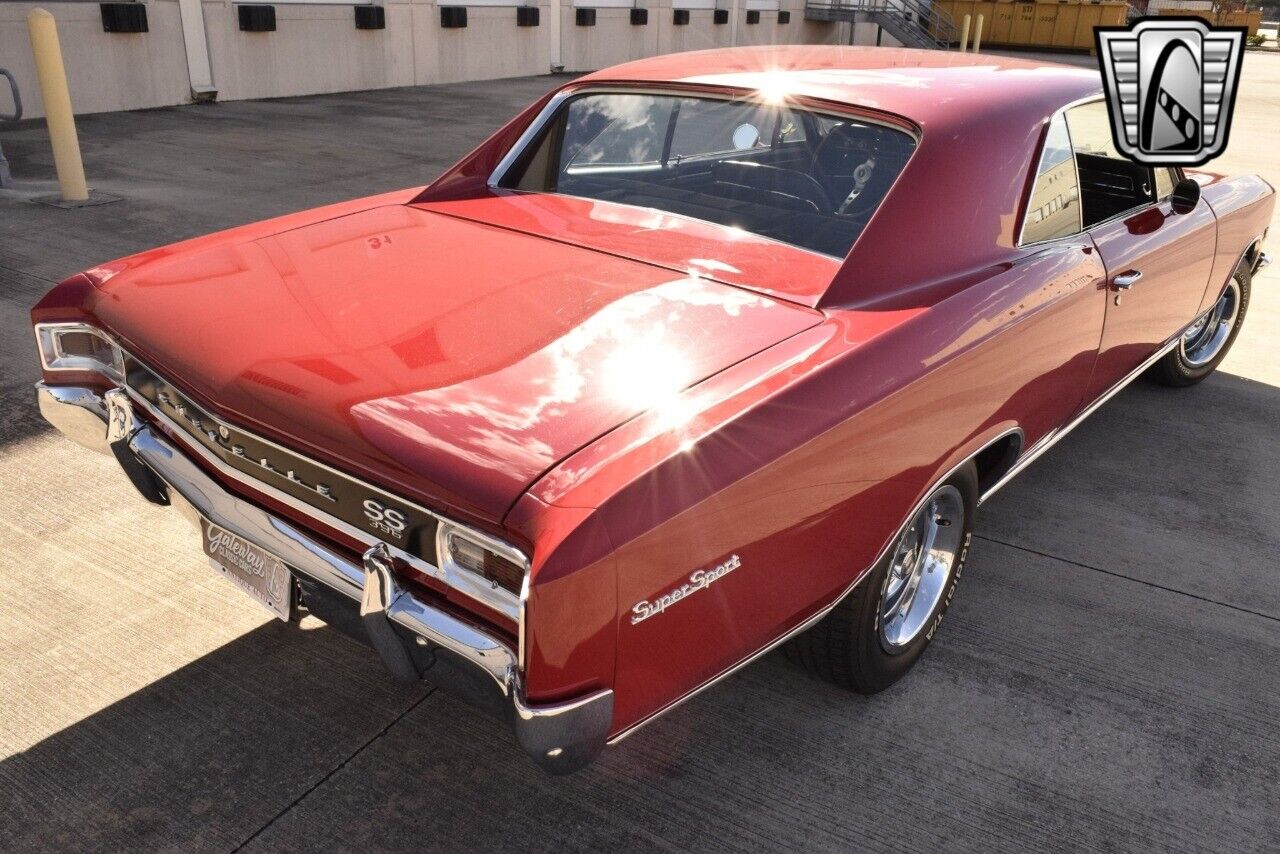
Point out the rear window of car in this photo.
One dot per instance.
(808, 179)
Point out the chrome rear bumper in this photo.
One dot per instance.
(414, 638)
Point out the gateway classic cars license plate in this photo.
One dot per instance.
(258, 573)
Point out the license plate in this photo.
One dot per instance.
(260, 574)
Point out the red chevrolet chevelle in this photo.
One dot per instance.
(697, 355)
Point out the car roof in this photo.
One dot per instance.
(928, 87)
(957, 204)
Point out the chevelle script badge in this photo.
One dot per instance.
(701, 579)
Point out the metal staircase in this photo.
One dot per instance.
(912, 22)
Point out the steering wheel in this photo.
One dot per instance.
(846, 150)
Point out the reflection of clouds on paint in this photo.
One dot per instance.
(621, 361)
(613, 129)
(712, 266)
(628, 111)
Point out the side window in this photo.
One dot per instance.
(1110, 183)
(1054, 207)
(1165, 179)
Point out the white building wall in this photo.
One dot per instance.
(316, 47)
(105, 71)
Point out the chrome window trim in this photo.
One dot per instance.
(1031, 185)
(1026, 202)
(535, 128)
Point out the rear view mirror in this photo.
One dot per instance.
(1185, 196)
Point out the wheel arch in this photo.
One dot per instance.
(1252, 255)
(999, 448)
(997, 458)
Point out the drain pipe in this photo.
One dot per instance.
(6, 179)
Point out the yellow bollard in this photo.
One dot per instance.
(57, 105)
(964, 34)
(977, 35)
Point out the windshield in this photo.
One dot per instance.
(804, 178)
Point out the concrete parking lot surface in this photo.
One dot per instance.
(1109, 676)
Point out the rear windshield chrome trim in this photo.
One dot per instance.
(535, 128)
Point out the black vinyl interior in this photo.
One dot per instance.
(769, 191)
(749, 208)
(1110, 186)
(816, 189)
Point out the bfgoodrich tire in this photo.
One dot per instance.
(1204, 346)
(878, 632)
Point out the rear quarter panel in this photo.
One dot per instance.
(804, 460)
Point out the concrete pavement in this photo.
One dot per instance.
(1109, 676)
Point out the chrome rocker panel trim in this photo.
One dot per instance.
(464, 660)
(1054, 436)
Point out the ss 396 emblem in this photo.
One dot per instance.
(388, 520)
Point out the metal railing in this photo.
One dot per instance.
(912, 22)
(6, 179)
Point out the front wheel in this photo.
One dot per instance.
(1205, 344)
(875, 634)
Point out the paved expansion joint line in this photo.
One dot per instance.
(343, 764)
(1115, 574)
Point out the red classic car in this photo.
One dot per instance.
(698, 355)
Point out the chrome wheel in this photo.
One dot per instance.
(1202, 343)
(921, 568)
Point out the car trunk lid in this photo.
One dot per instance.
(450, 361)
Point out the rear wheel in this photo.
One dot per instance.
(874, 636)
(1206, 343)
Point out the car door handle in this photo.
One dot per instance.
(1124, 281)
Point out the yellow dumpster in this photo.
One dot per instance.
(1097, 15)
(1046, 18)
(1062, 24)
(1024, 23)
(1064, 28)
(1251, 20)
(1000, 31)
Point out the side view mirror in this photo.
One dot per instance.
(1185, 197)
(745, 136)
